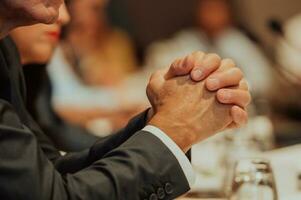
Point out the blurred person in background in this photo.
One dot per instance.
(36, 45)
(88, 69)
(215, 31)
(101, 54)
(287, 111)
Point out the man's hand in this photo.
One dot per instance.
(15, 13)
(220, 74)
(186, 110)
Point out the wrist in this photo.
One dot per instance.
(178, 132)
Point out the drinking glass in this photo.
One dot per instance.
(253, 180)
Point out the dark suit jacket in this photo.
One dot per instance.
(127, 165)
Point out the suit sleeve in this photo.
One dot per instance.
(131, 170)
(73, 162)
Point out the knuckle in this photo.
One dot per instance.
(190, 59)
(237, 72)
(173, 68)
(228, 62)
(198, 54)
(214, 57)
(175, 63)
(185, 62)
(188, 62)
(207, 69)
(195, 59)
(178, 61)
(244, 85)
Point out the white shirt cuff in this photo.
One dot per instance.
(177, 152)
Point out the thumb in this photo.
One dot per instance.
(184, 66)
(179, 67)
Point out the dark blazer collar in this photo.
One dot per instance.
(5, 84)
(11, 68)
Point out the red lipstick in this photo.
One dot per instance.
(55, 35)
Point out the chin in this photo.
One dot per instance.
(42, 60)
(42, 56)
(38, 59)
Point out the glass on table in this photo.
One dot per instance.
(253, 180)
(237, 148)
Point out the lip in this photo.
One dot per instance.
(55, 35)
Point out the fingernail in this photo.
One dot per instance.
(213, 83)
(226, 96)
(197, 74)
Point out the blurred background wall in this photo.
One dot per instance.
(148, 21)
(255, 14)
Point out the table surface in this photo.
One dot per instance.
(286, 166)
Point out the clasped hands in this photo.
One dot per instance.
(197, 97)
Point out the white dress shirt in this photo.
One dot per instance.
(177, 152)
